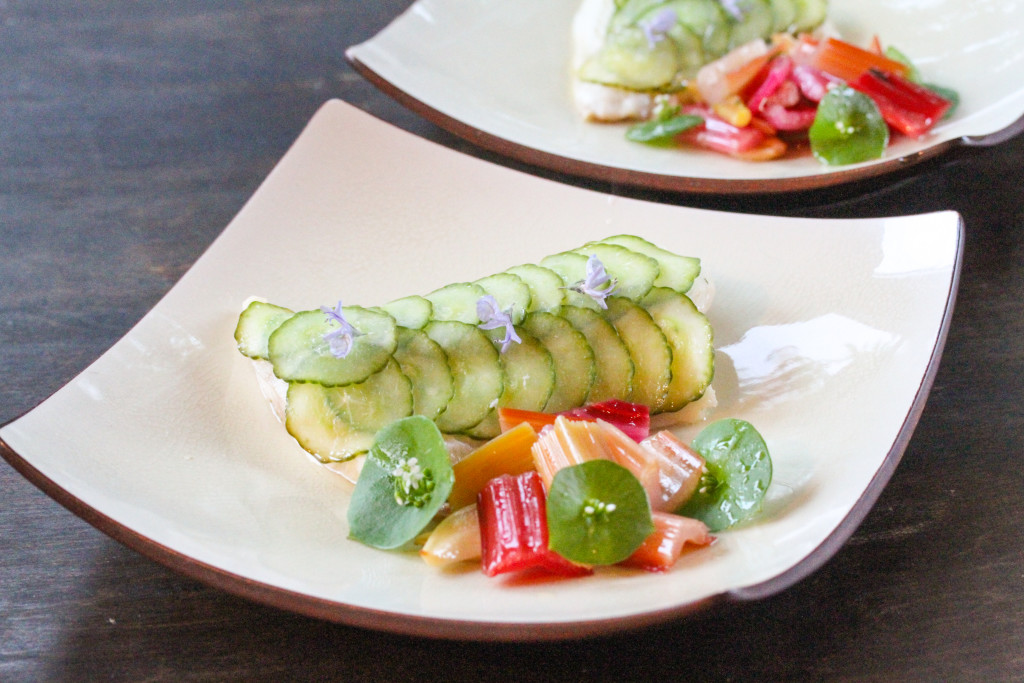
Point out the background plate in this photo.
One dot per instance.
(828, 336)
(496, 73)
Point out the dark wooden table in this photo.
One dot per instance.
(131, 133)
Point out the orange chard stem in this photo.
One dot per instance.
(847, 61)
(507, 453)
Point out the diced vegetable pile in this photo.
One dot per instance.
(760, 99)
(577, 495)
(552, 371)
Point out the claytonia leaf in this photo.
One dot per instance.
(848, 128)
(406, 479)
(597, 513)
(597, 284)
(737, 473)
(492, 318)
(339, 340)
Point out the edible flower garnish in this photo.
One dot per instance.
(733, 8)
(492, 317)
(597, 284)
(658, 27)
(413, 484)
(340, 340)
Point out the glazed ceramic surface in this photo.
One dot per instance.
(498, 73)
(828, 334)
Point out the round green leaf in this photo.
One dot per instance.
(597, 513)
(406, 479)
(738, 472)
(848, 128)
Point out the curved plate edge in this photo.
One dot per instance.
(327, 610)
(838, 538)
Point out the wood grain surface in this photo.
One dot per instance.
(132, 132)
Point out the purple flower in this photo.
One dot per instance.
(339, 340)
(492, 317)
(733, 8)
(598, 285)
(659, 25)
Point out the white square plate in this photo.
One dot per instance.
(828, 334)
(497, 74)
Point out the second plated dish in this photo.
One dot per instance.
(497, 74)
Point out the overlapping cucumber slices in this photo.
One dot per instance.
(658, 45)
(610, 319)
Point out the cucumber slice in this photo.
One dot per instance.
(411, 311)
(339, 423)
(648, 347)
(529, 380)
(630, 11)
(571, 355)
(612, 362)
(546, 287)
(529, 372)
(511, 293)
(633, 272)
(486, 429)
(810, 14)
(674, 271)
(299, 353)
(593, 70)
(476, 371)
(689, 53)
(708, 21)
(689, 334)
(425, 364)
(785, 14)
(632, 62)
(456, 302)
(255, 325)
(757, 22)
(571, 267)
